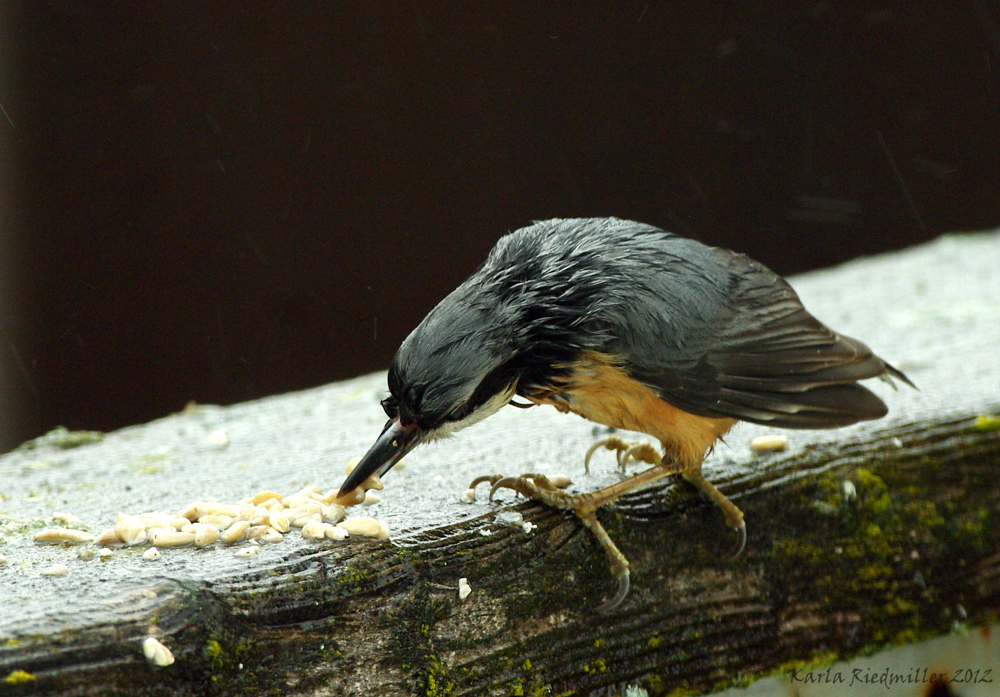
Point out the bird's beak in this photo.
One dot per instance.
(396, 440)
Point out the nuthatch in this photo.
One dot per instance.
(631, 327)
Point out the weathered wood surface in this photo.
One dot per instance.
(910, 547)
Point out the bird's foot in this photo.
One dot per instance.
(541, 489)
(734, 516)
(640, 452)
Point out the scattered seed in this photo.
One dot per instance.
(255, 532)
(295, 501)
(235, 532)
(371, 498)
(509, 519)
(109, 536)
(335, 532)
(56, 570)
(223, 509)
(193, 511)
(372, 482)
(246, 511)
(272, 536)
(178, 523)
(313, 530)
(351, 498)
(278, 521)
(173, 539)
(560, 481)
(247, 551)
(528, 527)
(334, 513)
(65, 517)
(266, 496)
(3, 558)
(151, 554)
(304, 513)
(849, 491)
(220, 521)
(63, 535)
(86, 553)
(218, 438)
(464, 589)
(205, 535)
(259, 515)
(131, 529)
(366, 527)
(308, 491)
(328, 497)
(467, 496)
(769, 444)
(105, 554)
(156, 653)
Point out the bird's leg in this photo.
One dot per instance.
(539, 488)
(640, 452)
(734, 516)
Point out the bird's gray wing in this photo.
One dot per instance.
(740, 344)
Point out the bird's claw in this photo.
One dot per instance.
(535, 486)
(741, 542)
(640, 452)
(491, 478)
(530, 485)
(611, 604)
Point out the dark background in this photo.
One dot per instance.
(216, 202)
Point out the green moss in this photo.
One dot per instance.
(655, 640)
(653, 684)
(972, 529)
(353, 577)
(872, 491)
(596, 666)
(822, 658)
(986, 423)
(799, 551)
(923, 514)
(152, 463)
(16, 677)
(216, 654)
(62, 437)
(436, 682)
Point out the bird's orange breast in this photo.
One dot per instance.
(602, 392)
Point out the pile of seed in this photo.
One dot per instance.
(265, 517)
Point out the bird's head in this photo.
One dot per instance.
(456, 368)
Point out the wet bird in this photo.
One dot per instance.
(631, 327)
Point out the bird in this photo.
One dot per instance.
(631, 327)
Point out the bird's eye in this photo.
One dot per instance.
(391, 406)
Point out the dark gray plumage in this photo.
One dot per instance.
(712, 332)
(632, 327)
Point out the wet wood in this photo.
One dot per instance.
(884, 536)
(850, 550)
